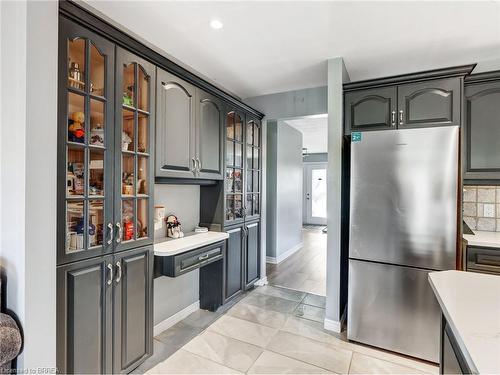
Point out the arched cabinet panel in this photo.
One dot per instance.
(209, 135)
(175, 127)
(482, 131)
(373, 109)
(430, 103)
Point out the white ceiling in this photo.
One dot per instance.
(274, 46)
(314, 132)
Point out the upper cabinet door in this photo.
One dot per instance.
(253, 168)
(86, 144)
(175, 127)
(209, 135)
(373, 109)
(482, 131)
(134, 138)
(430, 103)
(234, 179)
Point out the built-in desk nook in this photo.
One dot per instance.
(206, 251)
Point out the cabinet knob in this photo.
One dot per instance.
(110, 274)
(120, 233)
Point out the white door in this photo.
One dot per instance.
(315, 193)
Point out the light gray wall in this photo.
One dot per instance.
(171, 295)
(284, 187)
(337, 74)
(28, 147)
(316, 158)
(297, 103)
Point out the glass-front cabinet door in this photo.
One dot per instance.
(85, 138)
(253, 170)
(233, 182)
(134, 128)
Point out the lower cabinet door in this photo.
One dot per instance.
(84, 316)
(252, 259)
(234, 261)
(133, 308)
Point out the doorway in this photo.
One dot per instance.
(314, 203)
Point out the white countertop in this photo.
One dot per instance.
(482, 238)
(189, 242)
(471, 304)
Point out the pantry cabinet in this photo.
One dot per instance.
(105, 204)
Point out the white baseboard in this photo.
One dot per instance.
(262, 282)
(333, 325)
(286, 254)
(176, 318)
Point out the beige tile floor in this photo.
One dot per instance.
(264, 333)
(305, 270)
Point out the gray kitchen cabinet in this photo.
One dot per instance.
(209, 135)
(134, 156)
(252, 253)
(430, 103)
(85, 144)
(234, 262)
(482, 129)
(84, 316)
(371, 109)
(105, 313)
(133, 309)
(175, 127)
(188, 130)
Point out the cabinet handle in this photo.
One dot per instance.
(193, 161)
(202, 257)
(393, 118)
(401, 117)
(120, 233)
(111, 232)
(119, 276)
(110, 274)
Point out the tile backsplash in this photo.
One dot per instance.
(481, 207)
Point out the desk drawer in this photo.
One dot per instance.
(483, 259)
(176, 265)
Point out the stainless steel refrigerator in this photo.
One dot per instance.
(403, 225)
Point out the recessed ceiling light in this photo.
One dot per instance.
(216, 24)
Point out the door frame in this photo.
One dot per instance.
(306, 203)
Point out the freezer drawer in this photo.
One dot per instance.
(393, 307)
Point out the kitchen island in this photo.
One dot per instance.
(470, 332)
